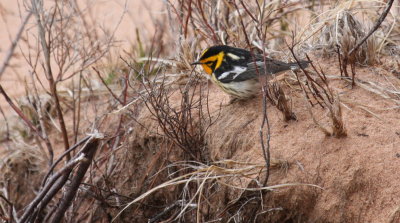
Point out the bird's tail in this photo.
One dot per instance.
(301, 64)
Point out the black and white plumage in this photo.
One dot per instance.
(237, 71)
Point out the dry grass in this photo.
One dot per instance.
(226, 173)
(344, 34)
(276, 95)
(22, 168)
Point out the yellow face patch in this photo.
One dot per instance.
(208, 62)
(207, 69)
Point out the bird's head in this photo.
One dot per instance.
(212, 58)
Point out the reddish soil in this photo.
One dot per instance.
(358, 173)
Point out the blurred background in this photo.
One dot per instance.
(117, 18)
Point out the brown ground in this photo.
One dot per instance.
(358, 173)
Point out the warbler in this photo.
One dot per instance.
(236, 71)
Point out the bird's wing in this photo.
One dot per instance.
(253, 70)
(271, 66)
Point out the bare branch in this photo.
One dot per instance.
(48, 69)
(65, 202)
(19, 112)
(375, 27)
(10, 52)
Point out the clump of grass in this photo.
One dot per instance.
(350, 38)
(344, 33)
(335, 113)
(316, 90)
(238, 176)
(21, 169)
(281, 100)
(178, 120)
(37, 109)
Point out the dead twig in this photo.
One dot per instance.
(348, 58)
(58, 180)
(84, 140)
(37, 9)
(324, 96)
(375, 27)
(10, 51)
(19, 112)
(108, 88)
(10, 217)
(65, 202)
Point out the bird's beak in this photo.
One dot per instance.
(195, 63)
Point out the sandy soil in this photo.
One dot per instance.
(358, 173)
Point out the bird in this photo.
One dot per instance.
(236, 71)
